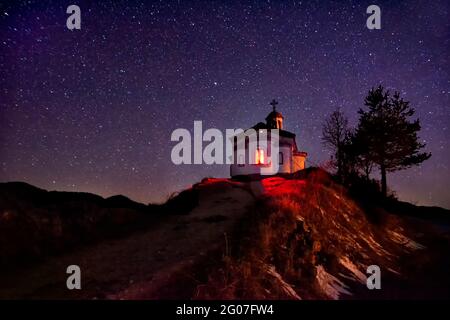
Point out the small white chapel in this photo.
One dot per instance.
(290, 158)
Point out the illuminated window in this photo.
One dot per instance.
(259, 156)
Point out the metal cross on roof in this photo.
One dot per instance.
(274, 104)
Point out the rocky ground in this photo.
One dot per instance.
(298, 237)
(140, 264)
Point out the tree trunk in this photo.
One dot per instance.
(383, 180)
(339, 162)
(339, 169)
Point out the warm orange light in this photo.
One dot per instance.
(259, 156)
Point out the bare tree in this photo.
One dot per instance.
(334, 134)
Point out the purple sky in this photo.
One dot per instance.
(93, 110)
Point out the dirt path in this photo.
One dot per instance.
(135, 266)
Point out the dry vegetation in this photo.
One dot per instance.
(301, 236)
(306, 239)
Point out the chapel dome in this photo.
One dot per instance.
(274, 114)
(274, 119)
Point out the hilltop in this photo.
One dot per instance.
(300, 236)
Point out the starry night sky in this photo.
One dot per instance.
(93, 109)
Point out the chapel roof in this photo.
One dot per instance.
(274, 114)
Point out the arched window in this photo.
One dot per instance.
(259, 157)
(280, 158)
